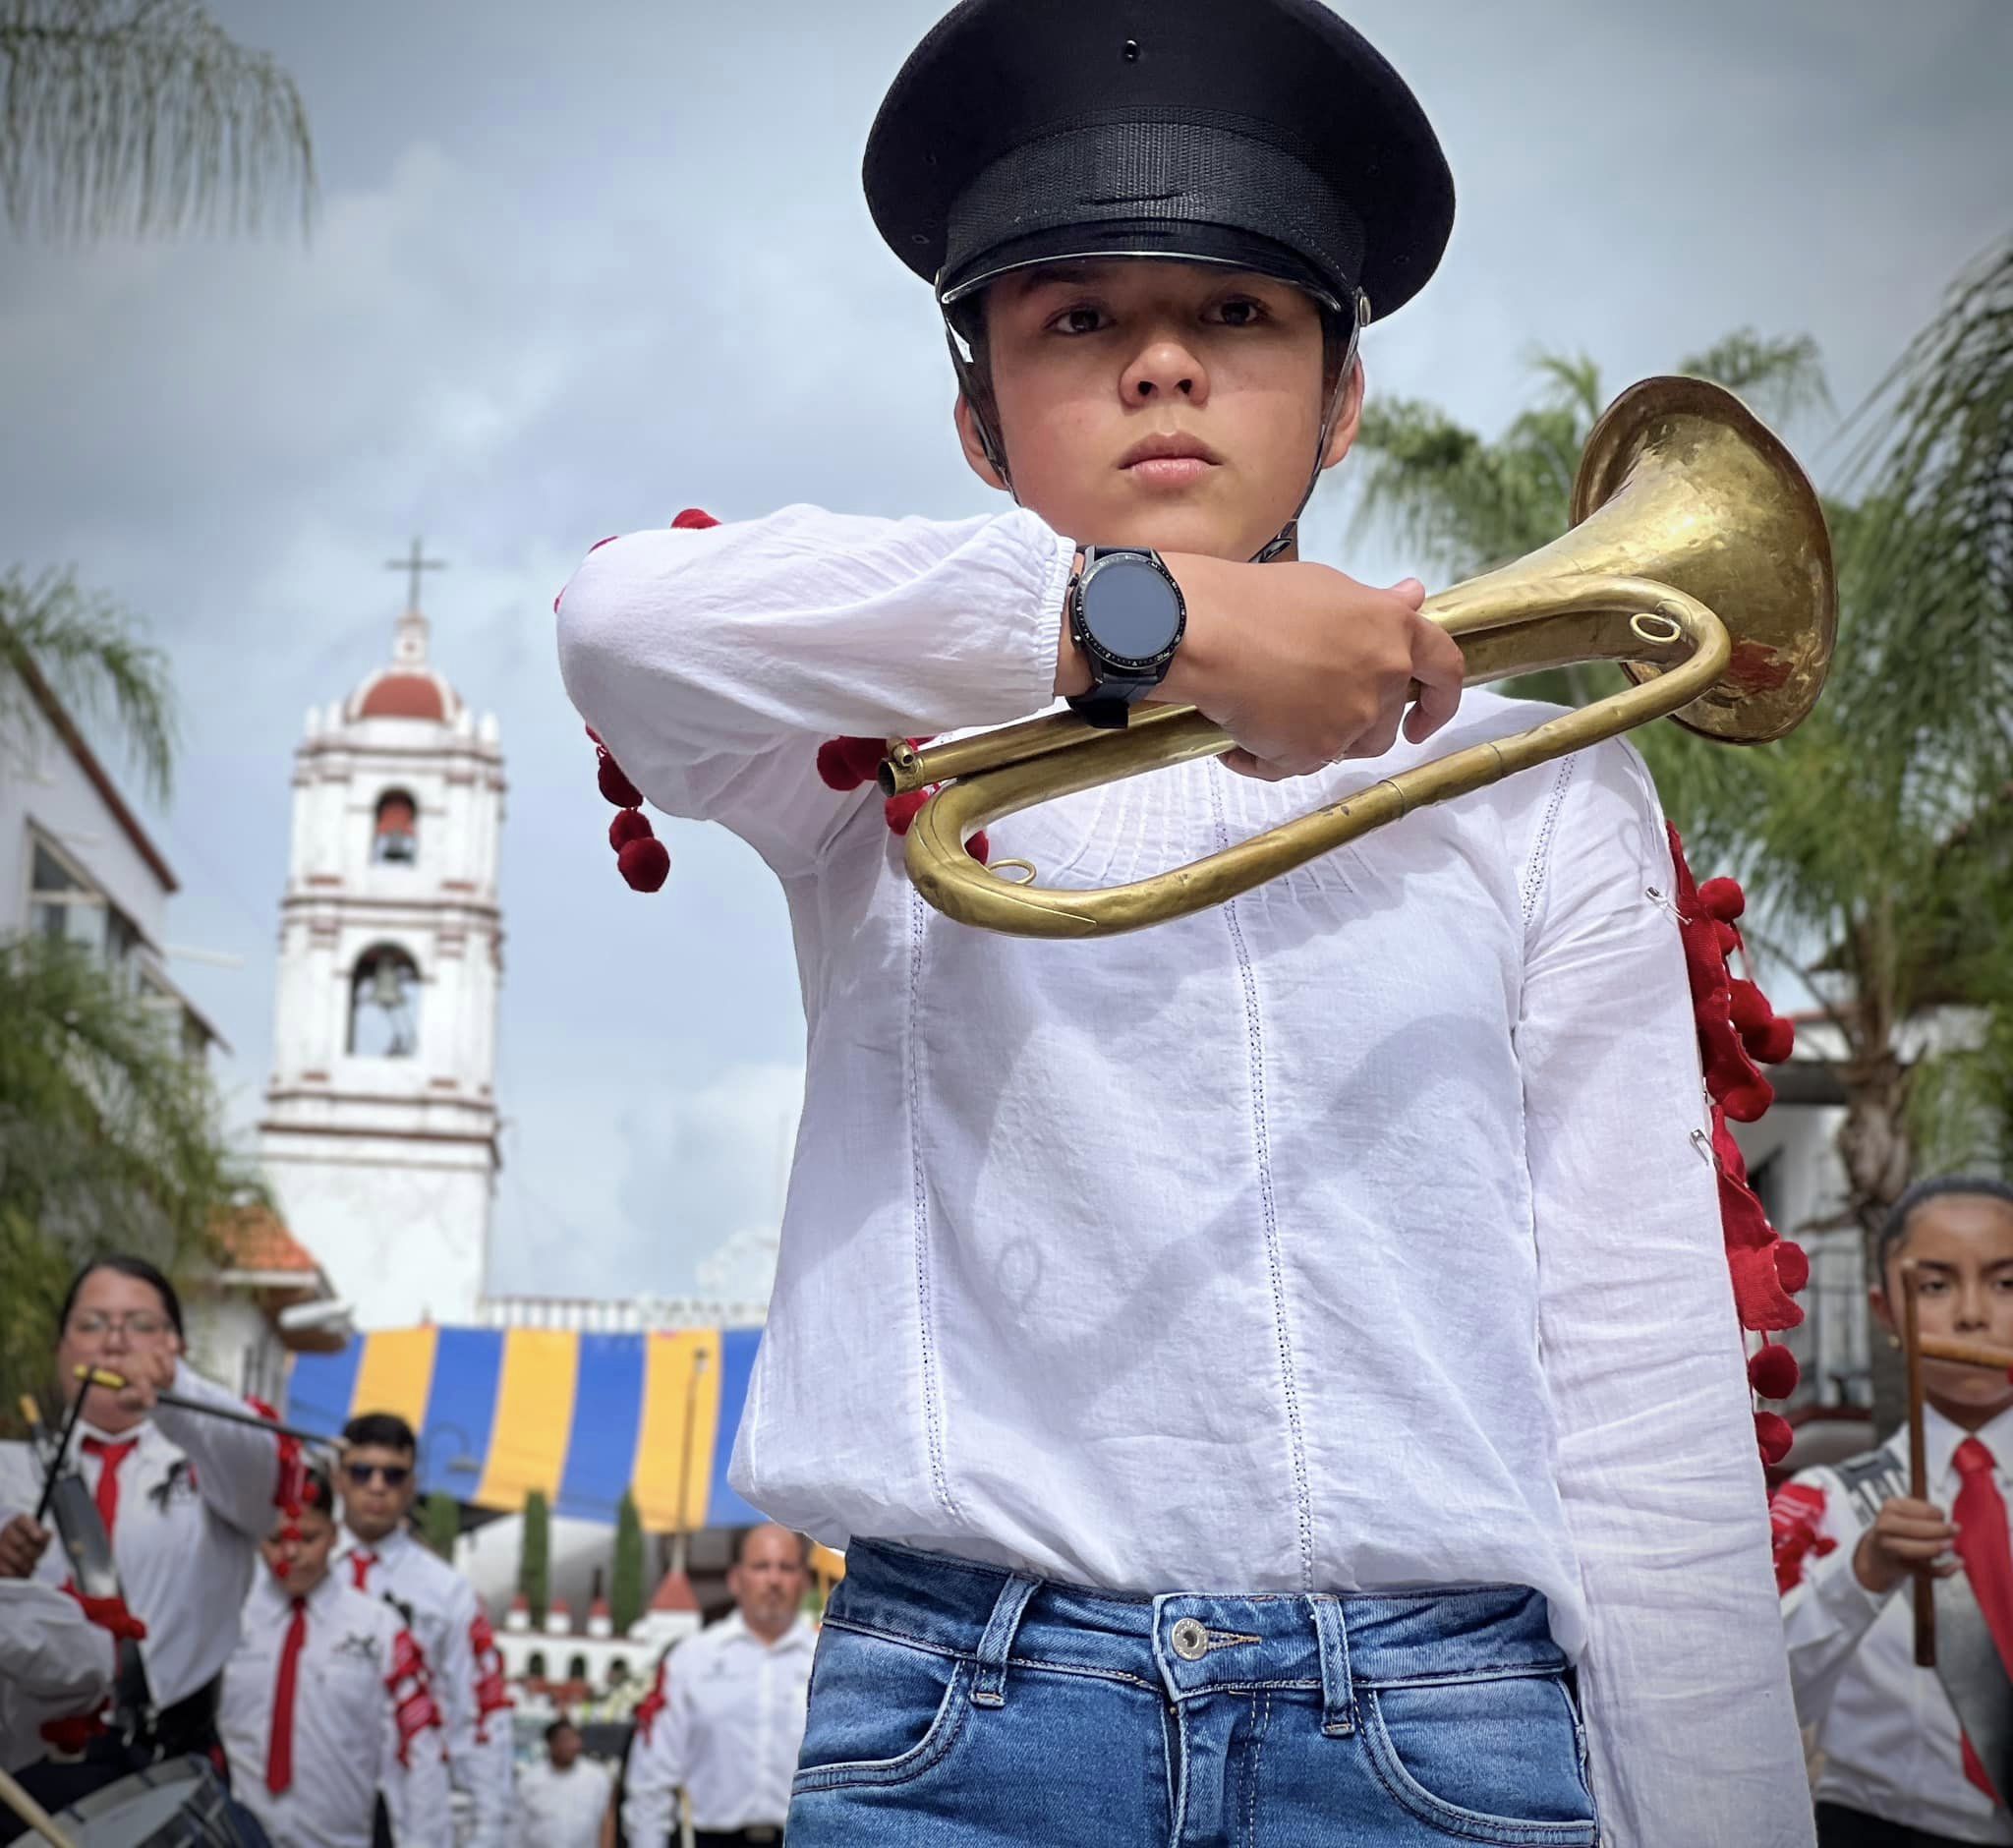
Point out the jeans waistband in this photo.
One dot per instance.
(1187, 1644)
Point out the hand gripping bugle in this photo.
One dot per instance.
(1698, 559)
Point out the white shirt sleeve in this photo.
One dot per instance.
(1827, 1611)
(49, 1650)
(713, 663)
(237, 1468)
(454, 1678)
(1692, 1733)
(414, 1763)
(657, 1767)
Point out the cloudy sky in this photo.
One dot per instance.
(577, 267)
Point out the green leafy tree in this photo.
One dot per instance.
(135, 116)
(109, 1139)
(1876, 841)
(141, 116)
(625, 1594)
(534, 1556)
(442, 1524)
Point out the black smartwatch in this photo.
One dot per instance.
(1126, 615)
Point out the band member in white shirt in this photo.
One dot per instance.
(563, 1802)
(1345, 1243)
(378, 1479)
(184, 1499)
(327, 1704)
(733, 1709)
(1915, 1757)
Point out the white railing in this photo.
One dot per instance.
(601, 1315)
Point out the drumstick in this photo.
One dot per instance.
(32, 1813)
(1968, 1354)
(1918, 1459)
(104, 1376)
(55, 1468)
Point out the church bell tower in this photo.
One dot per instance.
(379, 1131)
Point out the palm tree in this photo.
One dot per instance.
(133, 116)
(140, 116)
(1876, 843)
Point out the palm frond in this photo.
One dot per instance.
(1934, 554)
(87, 647)
(143, 116)
(1780, 377)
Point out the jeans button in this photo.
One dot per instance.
(1190, 1639)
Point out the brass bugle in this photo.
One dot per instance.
(1697, 559)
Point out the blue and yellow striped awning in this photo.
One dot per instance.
(501, 1411)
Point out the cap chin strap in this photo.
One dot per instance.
(978, 394)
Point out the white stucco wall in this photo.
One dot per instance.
(384, 1166)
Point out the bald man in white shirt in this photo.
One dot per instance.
(732, 1718)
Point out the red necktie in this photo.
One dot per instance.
(360, 1563)
(110, 1457)
(279, 1752)
(1982, 1543)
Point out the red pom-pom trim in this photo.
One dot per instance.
(1774, 1043)
(1723, 899)
(845, 764)
(630, 825)
(1748, 1102)
(615, 787)
(1773, 1372)
(693, 519)
(902, 810)
(1738, 1031)
(645, 863)
(1748, 1008)
(1775, 1434)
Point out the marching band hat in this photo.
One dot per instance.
(1265, 134)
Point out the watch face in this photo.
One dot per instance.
(1130, 609)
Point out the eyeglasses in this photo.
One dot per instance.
(393, 1475)
(95, 1322)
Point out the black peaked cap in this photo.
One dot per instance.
(1266, 133)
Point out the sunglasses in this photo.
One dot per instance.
(393, 1475)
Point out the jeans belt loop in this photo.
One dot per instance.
(989, 1689)
(1338, 1698)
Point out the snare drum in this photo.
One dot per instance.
(181, 1804)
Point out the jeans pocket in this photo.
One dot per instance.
(879, 1713)
(1485, 1760)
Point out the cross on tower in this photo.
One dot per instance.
(413, 566)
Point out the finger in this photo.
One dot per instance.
(1919, 1529)
(1909, 1509)
(1436, 657)
(1433, 707)
(1410, 590)
(1916, 1552)
(1378, 739)
(1256, 768)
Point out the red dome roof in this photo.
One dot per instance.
(397, 695)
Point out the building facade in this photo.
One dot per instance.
(379, 1128)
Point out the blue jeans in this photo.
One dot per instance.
(955, 1706)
